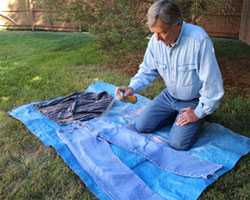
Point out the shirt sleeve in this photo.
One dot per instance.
(147, 70)
(212, 90)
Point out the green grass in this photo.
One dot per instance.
(231, 49)
(42, 65)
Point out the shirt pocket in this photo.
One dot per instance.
(162, 68)
(187, 74)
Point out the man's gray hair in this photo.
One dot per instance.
(165, 10)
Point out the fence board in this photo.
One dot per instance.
(245, 22)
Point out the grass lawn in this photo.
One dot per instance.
(42, 65)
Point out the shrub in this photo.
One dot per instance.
(120, 25)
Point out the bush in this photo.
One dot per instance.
(120, 25)
(117, 24)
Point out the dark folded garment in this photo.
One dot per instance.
(76, 106)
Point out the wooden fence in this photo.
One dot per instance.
(25, 15)
(33, 20)
(227, 25)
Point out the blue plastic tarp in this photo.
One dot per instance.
(217, 145)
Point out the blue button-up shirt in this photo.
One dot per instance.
(189, 69)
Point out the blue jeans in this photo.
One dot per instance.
(164, 110)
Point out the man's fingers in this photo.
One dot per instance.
(117, 90)
(184, 123)
(180, 120)
(118, 93)
(181, 123)
(186, 116)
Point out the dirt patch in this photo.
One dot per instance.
(128, 63)
(236, 73)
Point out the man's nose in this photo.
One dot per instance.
(158, 36)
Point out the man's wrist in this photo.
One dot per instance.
(199, 112)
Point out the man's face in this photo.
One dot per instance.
(164, 32)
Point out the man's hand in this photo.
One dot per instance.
(123, 91)
(187, 116)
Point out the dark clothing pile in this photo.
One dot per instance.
(76, 106)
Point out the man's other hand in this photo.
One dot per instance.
(186, 116)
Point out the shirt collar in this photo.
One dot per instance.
(179, 36)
